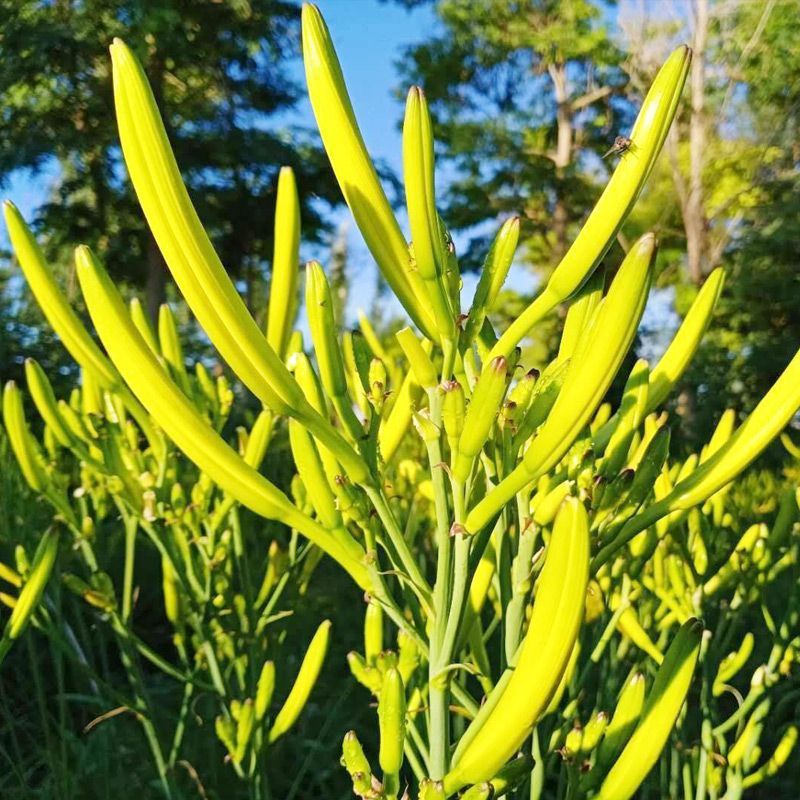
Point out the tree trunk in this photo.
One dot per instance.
(156, 284)
(562, 158)
(694, 217)
(156, 281)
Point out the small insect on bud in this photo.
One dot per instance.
(621, 145)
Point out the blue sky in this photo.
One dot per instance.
(369, 37)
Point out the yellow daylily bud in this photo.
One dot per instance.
(628, 625)
(781, 755)
(493, 275)
(32, 590)
(543, 656)
(732, 663)
(282, 306)
(244, 730)
(623, 721)
(392, 723)
(590, 373)
(373, 632)
(170, 346)
(658, 716)
(677, 356)
(194, 263)
(184, 425)
(629, 418)
(170, 586)
(353, 167)
(723, 432)
(304, 683)
(481, 413)
(547, 508)
(393, 428)
(581, 312)
(46, 403)
(142, 323)
(623, 188)
(22, 443)
(264, 690)
(65, 322)
(309, 467)
(453, 414)
(419, 361)
(426, 235)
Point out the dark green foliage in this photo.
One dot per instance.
(219, 72)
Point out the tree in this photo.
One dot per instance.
(524, 96)
(732, 161)
(218, 69)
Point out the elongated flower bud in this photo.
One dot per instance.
(623, 721)
(732, 663)
(373, 632)
(319, 308)
(65, 322)
(194, 263)
(46, 403)
(781, 755)
(493, 275)
(282, 306)
(481, 413)
(590, 374)
(628, 624)
(554, 625)
(426, 235)
(580, 313)
(264, 690)
(244, 730)
(170, 345)
(32, 590)
(419, 361)
(142, 323)
(184, 425)
(660, 711)
(22, 443)
(393, 428)
(683, 346)
(309, 467)
(170, 586)
(304, 683)
(353, 167)
(629, 418)
(453, 414)
(392, 723)
(356, 764)
(623, 188)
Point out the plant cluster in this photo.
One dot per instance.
(535, 565)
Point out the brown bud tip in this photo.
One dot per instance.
(451, 386)
(499, 365)
(627, 474)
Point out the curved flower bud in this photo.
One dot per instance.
(282, 307)
(304, 683)
(545, 651)
(353, 167)
(658, 716)
(185, 426)
(618, 198)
